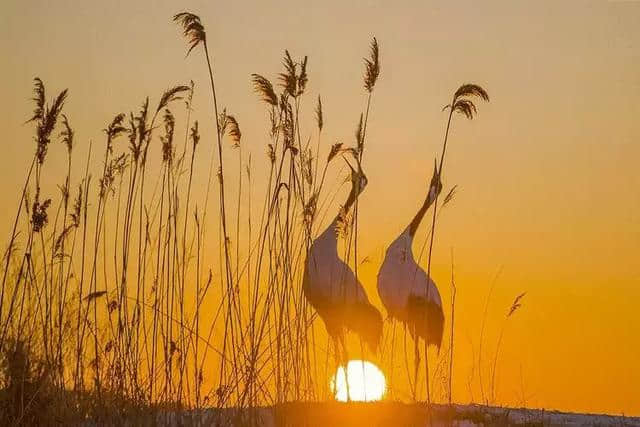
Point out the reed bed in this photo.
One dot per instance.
(105, 295)
(111, 306)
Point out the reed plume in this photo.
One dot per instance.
(193, 30)
(143, 353)
(67, 134)
(45, 117)
(515, 305)
(289, 79)
(234, 130)
(264, 88)
(462, 103)
(170, 95)
(372, 66)
(319, 116)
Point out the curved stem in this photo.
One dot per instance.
(433, 228)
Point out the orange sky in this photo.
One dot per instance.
(548, 172)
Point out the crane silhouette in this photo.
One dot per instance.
(332, 288)
(406, 291)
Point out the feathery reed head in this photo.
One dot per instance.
(271, 153)
(114, 129)
(233, 129)
(293, 82)
(167, 138)
(264, 88)
(189, 99)
(77, 206)
(132, 131)
(372, 66)
(114, 168)
(306, 167)
(39, 216)
(319, 116)
(471, 90)
(141, 121)
(45, 117)
(344, 223)
(39, 99)
(516, 304)
(450, 196)
(192, 28)
(195, 135)
(288, 127)
(335, 149)
(303, 78)
(170, 95)
(466, 107)
(288, 79)
(461, 99)
(310, 209)
(359, 135)
(67, 134)
(95, 295)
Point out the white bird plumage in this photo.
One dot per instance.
(404, 288)
(332, 288)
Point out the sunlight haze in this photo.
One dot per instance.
(548, 174)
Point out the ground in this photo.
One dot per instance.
(380, 414)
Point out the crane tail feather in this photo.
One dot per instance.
(426, 318)
(366, 321)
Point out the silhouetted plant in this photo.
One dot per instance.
(462, 103)
(515, 305)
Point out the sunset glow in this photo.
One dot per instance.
(364, 381)
(229, 204)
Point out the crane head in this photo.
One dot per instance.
(435, 187)
(358, 178)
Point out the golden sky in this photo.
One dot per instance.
(548, 172)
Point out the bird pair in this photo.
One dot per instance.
(406, 291)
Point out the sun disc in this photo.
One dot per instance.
(364, 381)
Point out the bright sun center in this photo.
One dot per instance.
(365, 383)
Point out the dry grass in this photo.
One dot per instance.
(103, 289)
(112, 308)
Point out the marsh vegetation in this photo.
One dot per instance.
(112, 305)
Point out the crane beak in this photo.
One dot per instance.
(359, 171)
(349, 164)
(359, 165)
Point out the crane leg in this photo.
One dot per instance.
(426, 370)
(341, 360)
(345, 362)
(416, 364)
(337, 360)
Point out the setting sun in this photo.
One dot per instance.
(331, 214)
(364, 381)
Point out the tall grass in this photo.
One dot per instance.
(113, 305)
(108, 288)
(461, 103)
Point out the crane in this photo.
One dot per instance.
(333, 290)
(407, 293)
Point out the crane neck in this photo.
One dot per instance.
(417, 219)
(351, 198)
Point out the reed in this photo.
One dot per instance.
(515, 305)
(109, 291)
(462, 103)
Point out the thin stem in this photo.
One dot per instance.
(433, 232)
